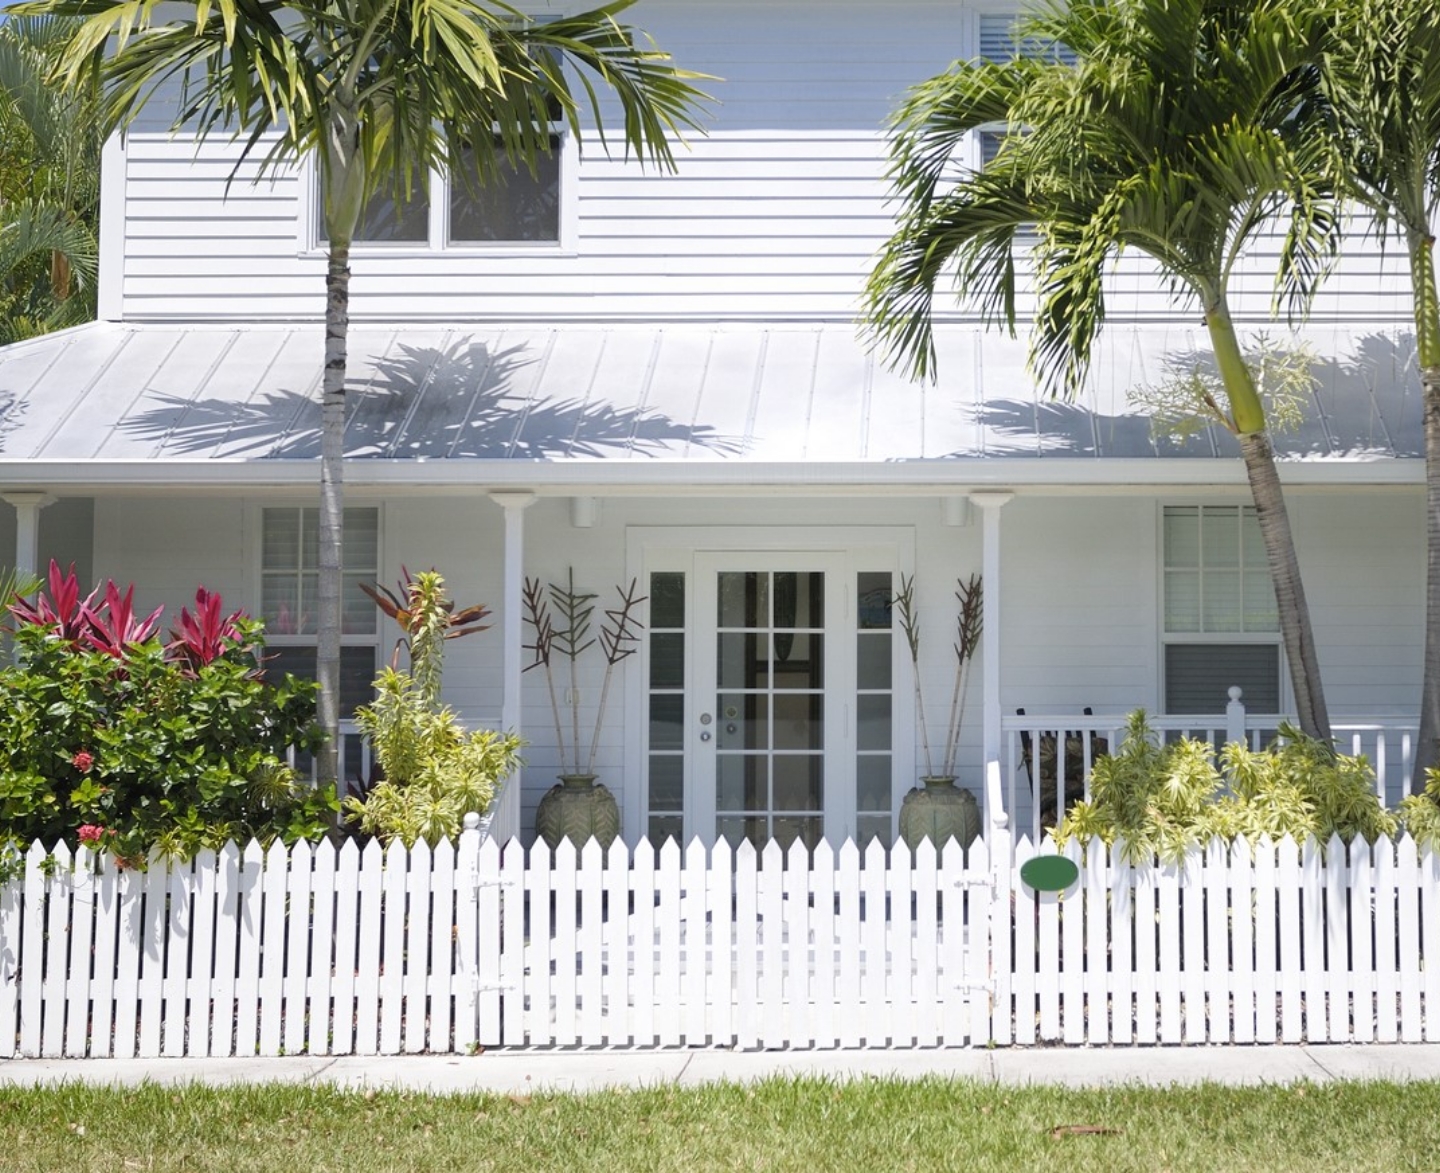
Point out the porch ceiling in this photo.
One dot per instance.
(659, 403)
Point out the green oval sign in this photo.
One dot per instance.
(1049, 873)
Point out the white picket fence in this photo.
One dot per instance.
(333, 952)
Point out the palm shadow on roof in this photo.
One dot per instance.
(12, 407)
(1364, 404)
(459, 401)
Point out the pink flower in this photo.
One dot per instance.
(90, 833)
(83, 760)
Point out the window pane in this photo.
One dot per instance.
(1261, 613)
(744, 722)
(872, 660)
(665, 827)
(807, 830)
(1182, 535)
(743, 659)
(798, 662)
(1198, 677)
(1221, 537)
(741, 783)
(360, 615)
(873, 730)
(667, 600)
(799, 600)
(357, 672)
(280, 542)
(361, 540)
(513, 205)
(798, 782)
(1254, 551)
(667, 782)
(798, 720)
(1222, 600)
(1182, 600)
(280, 603)
(872, 782)
(309, 539)
(873, 591)
(667, 660)
(744, 599)
(868, 827)
(385, 221)
(667, 719)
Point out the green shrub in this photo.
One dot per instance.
(145, 745)
(435, 772)
(1419, 814)
(1163, 799)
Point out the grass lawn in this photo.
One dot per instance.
(808, 1125)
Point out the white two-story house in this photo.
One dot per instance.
(657, 378)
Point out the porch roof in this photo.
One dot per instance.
(655, 404)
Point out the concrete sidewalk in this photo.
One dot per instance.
(525, 1071)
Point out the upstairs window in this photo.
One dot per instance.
(1221, 621)
(514, 207)
(1000, 42)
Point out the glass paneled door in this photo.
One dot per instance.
(770, 709)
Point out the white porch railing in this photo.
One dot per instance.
(1035, 773)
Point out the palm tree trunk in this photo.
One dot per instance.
(1249, 419)
(1427, 343)
(332, 506)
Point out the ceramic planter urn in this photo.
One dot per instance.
(939, 811)
(578, 809)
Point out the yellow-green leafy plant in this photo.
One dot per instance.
(1163, 799)
(1419, 814)
(434, 771)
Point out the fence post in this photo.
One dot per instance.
(467, 934)
(994, 936)
(1235, 718)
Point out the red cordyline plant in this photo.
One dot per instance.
(200, 638)
(113, 626)
(62, 610)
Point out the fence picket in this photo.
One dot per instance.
(988, 947)
(874, 1007)
(445, 925)
(1312, 922)
(564, 950)
(1267, 942)
(347, 962)
(1407, 874)
(1430, 933)
(1387, 980)
(848, 1000)
(81, 933)
(11, 927)
(927, 977)
(1337, 940)
(642, 941)
(1024, 907)
(1122, 928)
(1217, 943)
(321, 968)
(693, 951)
(227, 932)
(795, 971)
(1289, 963)
(615, 942)
(1170, 932)
(1099, 975)
(1192, 961)
(822, 922)
(1362, 940)
(370, 919)
(59, 910)
(1242, 943)
(900, 933)
(478, 912)
(590, 978)
(1072, 955)
(667, 917)
(973, 973)
(393, 888)
(418, 939)
(511, 942)
(200, 982)
(296, 980)
(770, 896)
(102, 990)
(722, 944)
(152, 959)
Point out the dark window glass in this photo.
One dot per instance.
(1198, 677)
(512, 204)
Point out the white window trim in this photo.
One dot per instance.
(309, 244)
(1220, 638)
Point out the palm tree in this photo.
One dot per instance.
(377, 92)
(49, 184)
(1380, 74)
(1175, 130)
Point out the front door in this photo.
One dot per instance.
(772, 708)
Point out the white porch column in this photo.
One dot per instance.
(990, 504)
(506, 823)
(27, 529)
